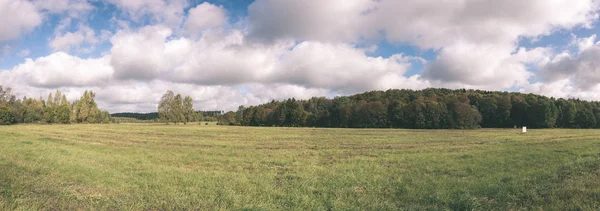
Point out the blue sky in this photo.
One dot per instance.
(247, 52)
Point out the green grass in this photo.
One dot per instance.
(174, 167)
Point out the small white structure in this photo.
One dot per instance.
(524, 129)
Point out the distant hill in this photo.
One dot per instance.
(206, 115)
(138, 116)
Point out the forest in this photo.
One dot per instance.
(432, 108)
(55, 109)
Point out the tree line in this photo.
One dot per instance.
(210, 116)
(138, 116)
(422, 109)
(54, 110)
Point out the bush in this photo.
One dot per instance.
(6, 117)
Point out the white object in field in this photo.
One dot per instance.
(524, 129)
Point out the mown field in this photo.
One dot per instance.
(174, 167)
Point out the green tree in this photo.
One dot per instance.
(165, 107)
(188, 109)
(33, 110)
(6, 117)
(370, 115)
(465, 115)
(49, 109)
(585, 119)
(63, 112)
(228, 119)
(86, 110)
(178, 111)
(566, 113)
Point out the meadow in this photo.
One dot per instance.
(209, 167)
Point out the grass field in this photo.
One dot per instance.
(174, 167)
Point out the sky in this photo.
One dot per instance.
(226, 53)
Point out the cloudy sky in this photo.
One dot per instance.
(227, 53)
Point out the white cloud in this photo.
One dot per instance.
(476, 40)
(436, 24)
(425, 23)
(333, 20)
(216, 58)
(583, 43)
(66, 41)
(226, 58)
(60, 70)
(582, 69)
(484, 66)
(563, 88)
(23, 18)
(140, 55)
(73, 40)
(338, 67)
(205, 16)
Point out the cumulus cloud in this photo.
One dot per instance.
(333, 20)
(205, 16)
(563, 88)
(219, 58)
(337, 67)
(442, 23)
(226, 58)
(428, 24)
(60, 70)
(140, 55)
(23, 15)
(484, 66)
(476, 40)
(583, 43)
(583, 69)
(64, 42)
(74, 40)
(215, 58)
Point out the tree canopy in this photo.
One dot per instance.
(422, 109)
(56, 109)
(176, 109)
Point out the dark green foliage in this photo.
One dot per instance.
(6, 117)
(138, 116)
(585, 119)
(423, 109)
(567, 112)
(369, 115)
